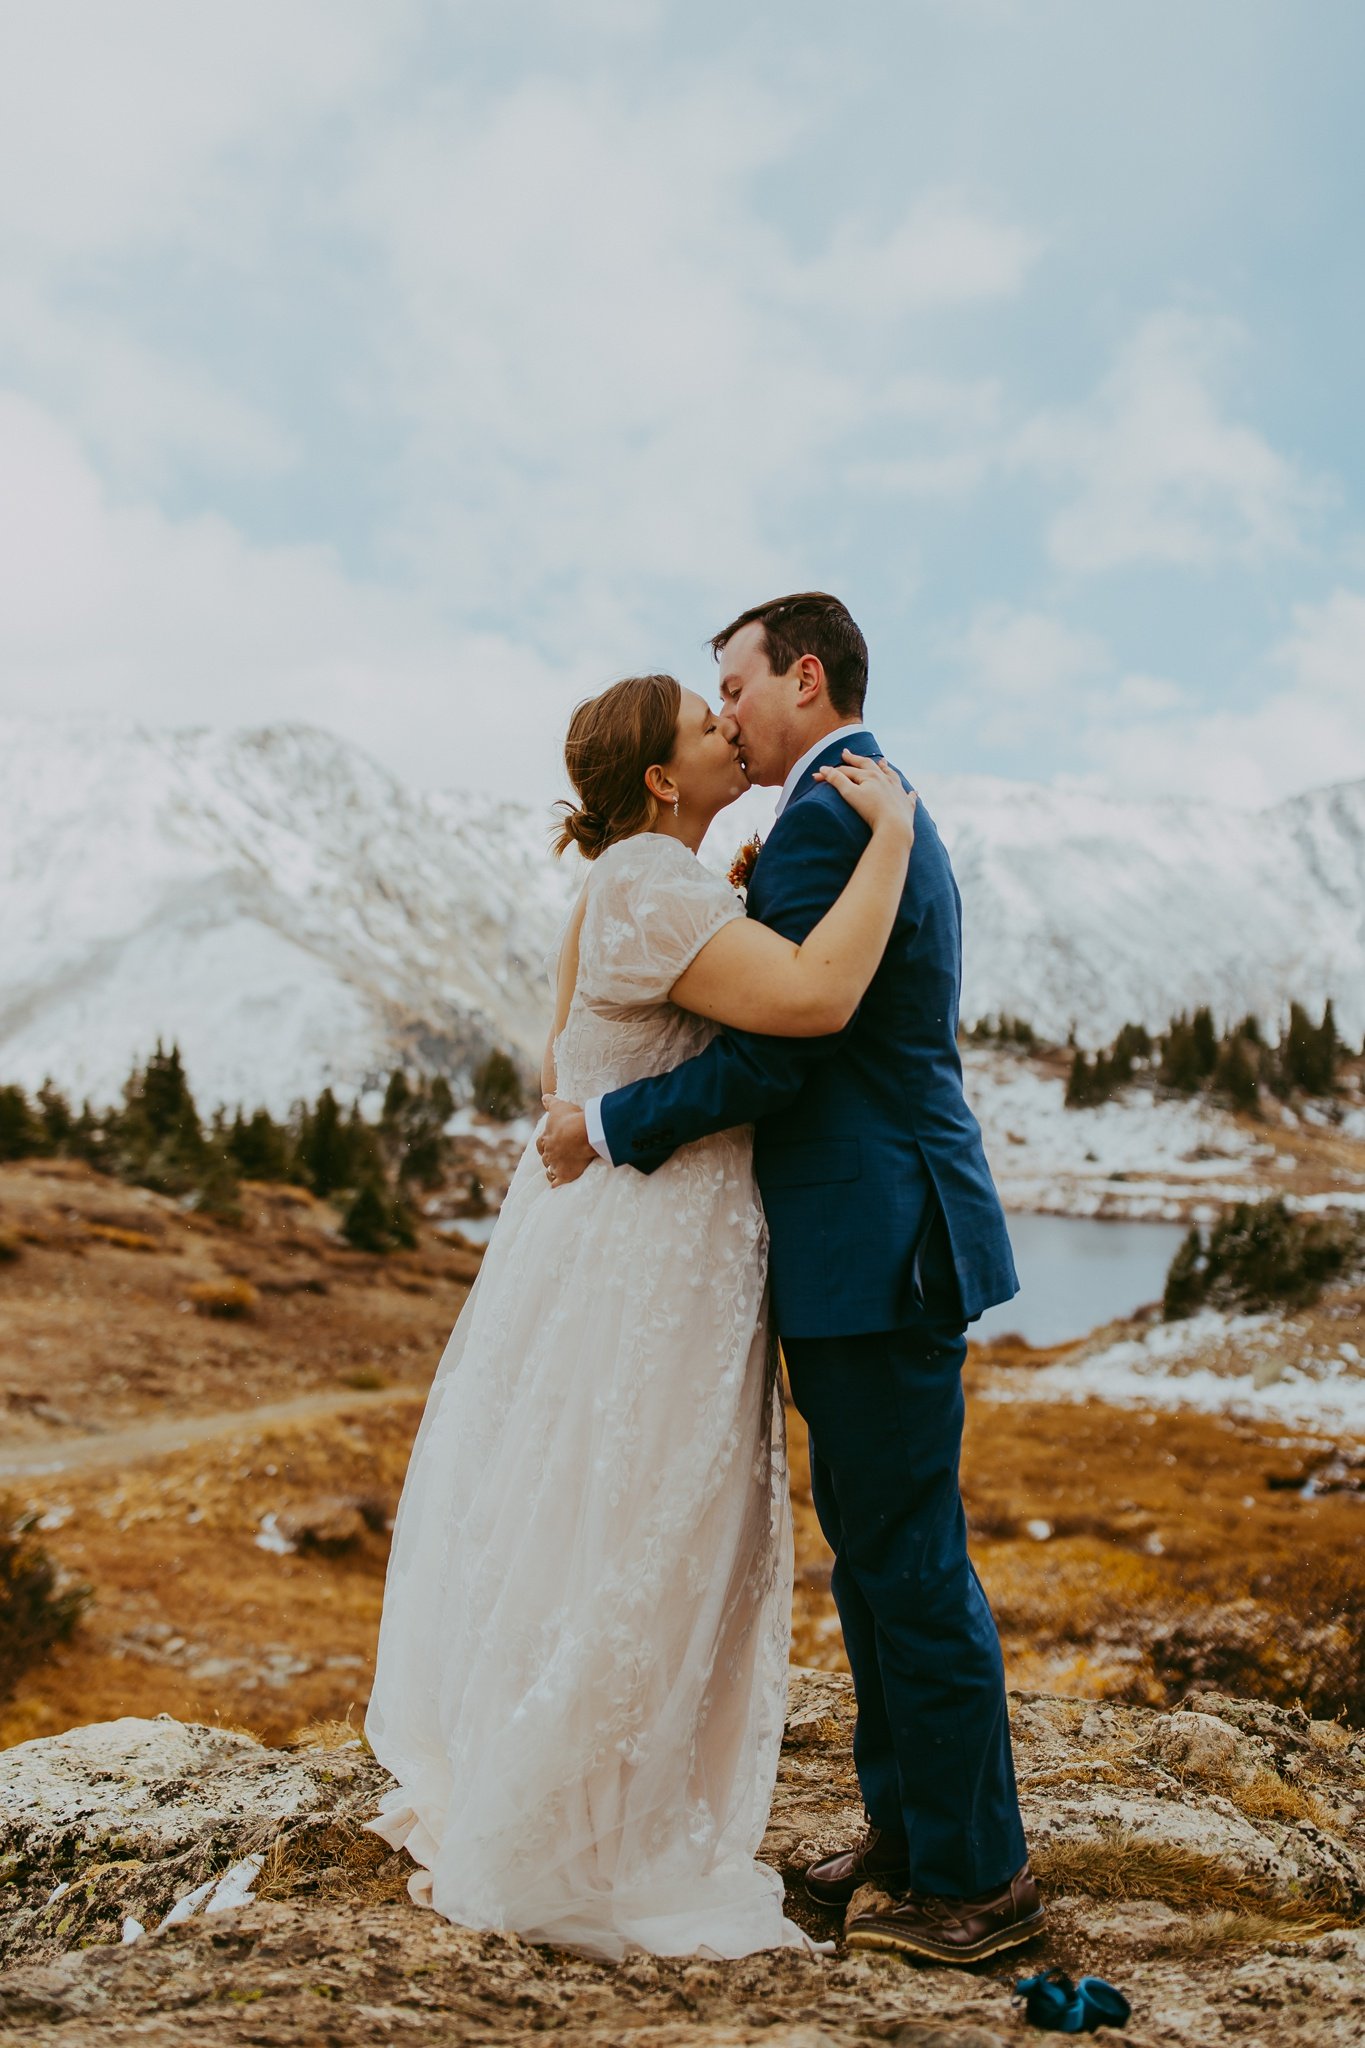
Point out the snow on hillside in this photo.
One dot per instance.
(293, 914)
(1265, 1368)
(1094, 911)
(273, 899)
(1136, 1156)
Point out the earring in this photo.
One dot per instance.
(675, 807)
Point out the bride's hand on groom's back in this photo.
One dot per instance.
(563, 1143)
(875, 791)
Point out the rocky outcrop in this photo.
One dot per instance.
(163, 1883)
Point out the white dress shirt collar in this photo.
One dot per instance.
(845, 734)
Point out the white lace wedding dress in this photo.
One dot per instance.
(582, 1660)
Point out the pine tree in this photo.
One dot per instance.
(365, 1225)
(396, 1097)
(21, 1134)
(1235, 1075)
(259, 1147)
(1205, 1041)
(1181, 1061)
(1185, 1280)
(164, 1097)
(55, 1110)
(364, 1157)
(1309, 1052)
(156, 1138)
(374, 1223)
(324, 1152)
(497, 1087)
(1133, 1043)
(1090, 1082)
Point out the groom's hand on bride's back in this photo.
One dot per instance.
(563, 1144)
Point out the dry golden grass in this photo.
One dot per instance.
(1267, 1796)
(1134, 1596)
(126, 1240)
(1125, 1865)
(230, 1296)
(338, 1860)
(1201, 1934)
(331, 1734)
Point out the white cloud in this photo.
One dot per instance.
(1307, 728)
(943, 252)
(1022, 673)
(113, 607)
(115, 121)
(1152, 467)
(142, 411)
(611, 371)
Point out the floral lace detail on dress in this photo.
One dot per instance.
(651, 908)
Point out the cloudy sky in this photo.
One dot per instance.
(414, 368)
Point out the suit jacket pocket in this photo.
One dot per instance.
(809, 1163)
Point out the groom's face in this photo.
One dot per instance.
(757, 705)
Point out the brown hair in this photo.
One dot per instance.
(810, 622)
(612, 739)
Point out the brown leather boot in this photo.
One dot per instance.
(876, 1858)
(936, 1930)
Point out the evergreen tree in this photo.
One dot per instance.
(1181, 1060)
(497, 1087)
(259, 1148)
(1205, 1041)
(1309, 1052)
(1090, 1082)
(1184, 1280)
(1133, 1043)
(21, 1134)
(55, 1111)
(156, 1137)
(162, 1097)
(1236, 1074)
(88, 1138)
(324, 1150)
(365, 1226)
(374, 1223)
(396, 1097)
(364, 1158)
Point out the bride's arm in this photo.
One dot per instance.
(566, 978)
(751, 978)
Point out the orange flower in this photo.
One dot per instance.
(742, 866)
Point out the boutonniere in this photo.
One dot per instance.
(742, 866)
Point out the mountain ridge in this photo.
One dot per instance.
(296, 915)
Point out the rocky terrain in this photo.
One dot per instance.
(171, 1883)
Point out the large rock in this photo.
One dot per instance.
(165, 1884)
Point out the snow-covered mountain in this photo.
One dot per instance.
(274, 899)
(1093, 910)
(292, 914)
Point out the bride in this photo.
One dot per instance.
(582, 1664)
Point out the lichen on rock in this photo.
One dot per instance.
(1211, 1860)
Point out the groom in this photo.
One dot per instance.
(887, 1238)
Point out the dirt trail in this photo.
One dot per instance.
(143, 1440)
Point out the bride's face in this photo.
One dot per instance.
(705, 766)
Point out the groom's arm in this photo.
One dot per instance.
(743, 1075)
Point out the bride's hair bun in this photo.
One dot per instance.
(612, 740)
(582, 828)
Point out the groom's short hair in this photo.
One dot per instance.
(810, 622)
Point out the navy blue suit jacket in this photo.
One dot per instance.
(856, 1134)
